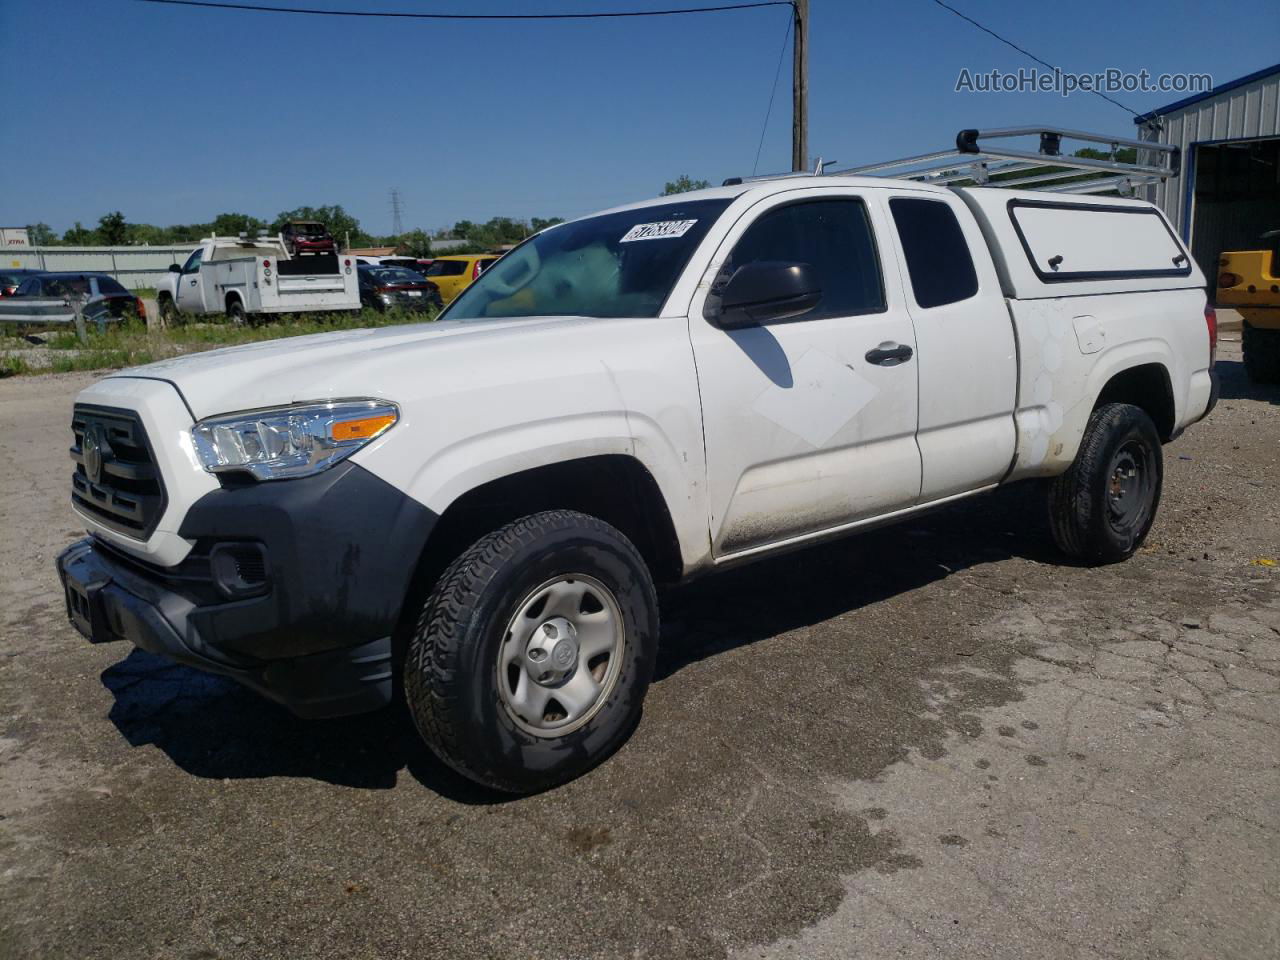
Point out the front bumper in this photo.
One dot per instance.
(310, 627)
(106, 602)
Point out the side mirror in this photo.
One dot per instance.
(763, 292)
(174, 268)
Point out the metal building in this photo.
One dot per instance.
(1228, 191)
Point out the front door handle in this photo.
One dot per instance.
(889, 354)
(193, 283)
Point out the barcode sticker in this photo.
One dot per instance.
(658, 231)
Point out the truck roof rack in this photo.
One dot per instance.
(972, 163)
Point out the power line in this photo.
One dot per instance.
(1026, 53)
(772, 92)
(264, 8)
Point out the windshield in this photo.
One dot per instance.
(614, 265)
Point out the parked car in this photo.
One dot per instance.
(482, 507)
(307, 236)
(385, 288)
(453, 273)
(10, 280)
(49, 298)
(247, 278)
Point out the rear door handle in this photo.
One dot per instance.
(889, 354)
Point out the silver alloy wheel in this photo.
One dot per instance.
(561, 655)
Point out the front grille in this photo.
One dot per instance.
(116, 481)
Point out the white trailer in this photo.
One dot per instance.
(246, 277)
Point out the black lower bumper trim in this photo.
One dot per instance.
(108, 601)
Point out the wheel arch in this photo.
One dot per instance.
(1141, 373)
(615, 488)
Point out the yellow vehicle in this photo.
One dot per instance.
(453, 274)
(1248, 280)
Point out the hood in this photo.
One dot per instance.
(381, 362)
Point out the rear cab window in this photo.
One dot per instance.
(939, 263)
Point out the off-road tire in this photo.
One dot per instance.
(1079, 499)
(450, 671)
(1261, 354)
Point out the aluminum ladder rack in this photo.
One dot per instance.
(974, 163)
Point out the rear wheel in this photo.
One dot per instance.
(1261, 354)
(235, 311)
(1102, 508)
(531, 658)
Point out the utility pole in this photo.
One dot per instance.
(800, 88)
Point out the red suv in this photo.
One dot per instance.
(307, 236)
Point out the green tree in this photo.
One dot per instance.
(79, 235)
(41, 235)
(233, 224)
(148, 234)
(415, 243)
(682, 184)
(538, 223)
(113, 230)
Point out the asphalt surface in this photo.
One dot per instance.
(935, 740)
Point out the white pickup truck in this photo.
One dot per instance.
(480, 507)
(249, 277)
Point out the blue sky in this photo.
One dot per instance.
(174, 115)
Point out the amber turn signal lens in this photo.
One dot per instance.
(362, 429)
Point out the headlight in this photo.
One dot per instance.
(294, 441)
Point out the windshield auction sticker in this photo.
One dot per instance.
(658, 231)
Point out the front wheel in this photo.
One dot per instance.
(530, 659)
(1102, 508)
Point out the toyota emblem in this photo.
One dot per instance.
(93, 453)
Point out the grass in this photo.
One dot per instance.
(11, 366)
(131, 344)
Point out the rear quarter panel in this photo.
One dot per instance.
(1070, 347)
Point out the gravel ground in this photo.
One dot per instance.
(933, 740)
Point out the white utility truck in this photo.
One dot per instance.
(479, 508)
(245, 277)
